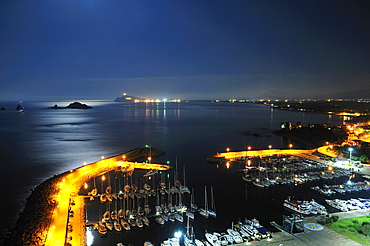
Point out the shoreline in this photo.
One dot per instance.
(33, 222)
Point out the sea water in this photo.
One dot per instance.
(39, 143)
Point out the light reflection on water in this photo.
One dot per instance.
(89, 237)
(38, 144)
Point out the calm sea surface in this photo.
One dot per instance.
(38, 144)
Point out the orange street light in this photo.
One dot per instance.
(149, 158)
(227, 149)
(270, 146)
(249, 147)
(290, 146)
(103, 177)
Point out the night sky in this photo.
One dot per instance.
(189, 49)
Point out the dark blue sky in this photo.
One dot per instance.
(189, 49)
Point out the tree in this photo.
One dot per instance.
(365, 229)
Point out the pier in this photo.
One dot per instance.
(265, 152)
(69, 210)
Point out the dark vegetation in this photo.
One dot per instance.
(329, 220)
(314, 135)
(357, 229)
(361, 152)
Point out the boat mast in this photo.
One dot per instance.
(205, 198)
(213, 204)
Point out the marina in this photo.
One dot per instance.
(131, 198)
(215, 187)
(118, 196)
(280, 169)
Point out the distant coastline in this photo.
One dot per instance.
(350, 107)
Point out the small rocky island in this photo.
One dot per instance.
(74, 105)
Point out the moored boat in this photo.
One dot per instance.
(296, 206)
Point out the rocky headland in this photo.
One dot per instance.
(127, 98)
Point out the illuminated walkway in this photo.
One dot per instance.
(69, 188)
(265, 152)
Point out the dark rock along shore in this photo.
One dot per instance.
(34, 221)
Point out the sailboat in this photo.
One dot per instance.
(212, 210)
(193, 205)
(145, 220)
(158, 208)
(94, 191)
(146, 207)
(103, 197)
(204, 211)
(184, 189)
(188, 240)
(190, 212)
(170, 207)
(159, 219)
(139, 222)
(125, 224)
(178, 217)
(101, 229)
(117, 226)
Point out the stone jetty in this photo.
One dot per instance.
(33, 223)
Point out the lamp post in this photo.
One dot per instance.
(290, 146)
(350, 154)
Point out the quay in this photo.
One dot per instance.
(69, 207)
(308, 237)
(265, 152)
(313, 238)
(68, 201)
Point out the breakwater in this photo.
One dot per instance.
(33, 223)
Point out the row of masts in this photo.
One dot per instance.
(129, 207)
(287, 170)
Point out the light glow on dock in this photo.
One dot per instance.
(68, 191)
